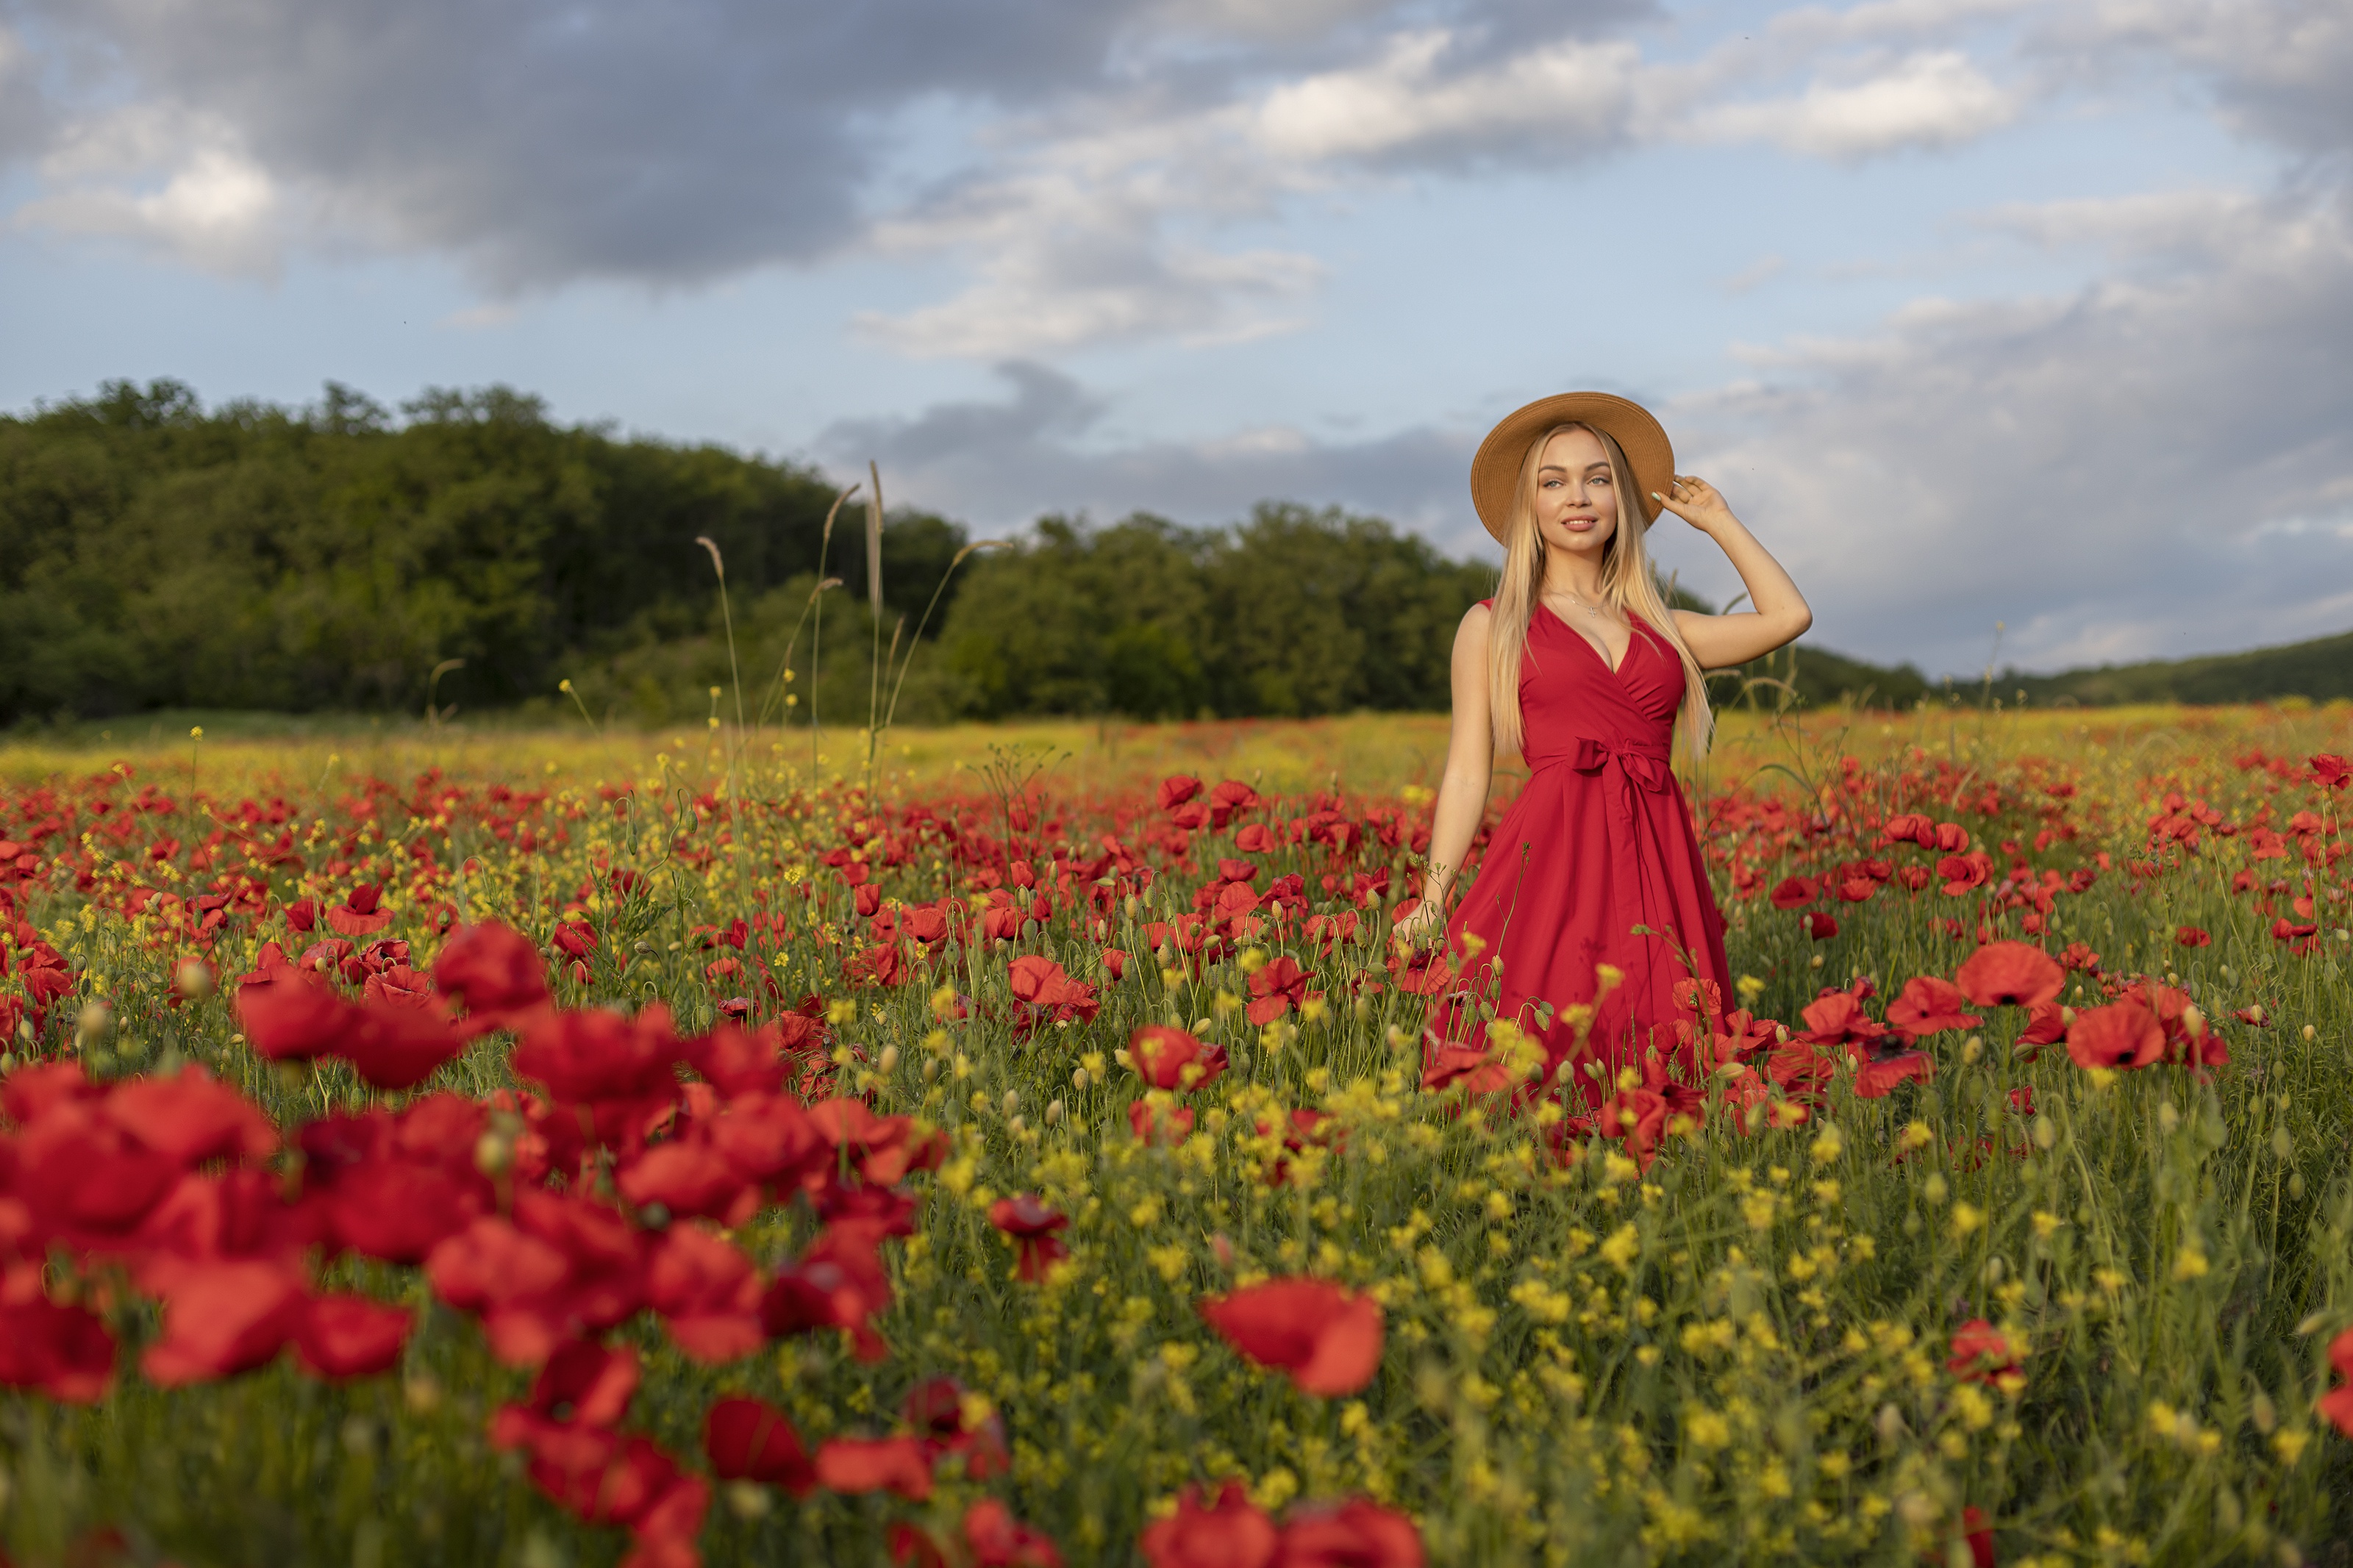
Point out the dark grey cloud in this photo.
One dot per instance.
(545, 140)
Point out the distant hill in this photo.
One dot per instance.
(2319, 670)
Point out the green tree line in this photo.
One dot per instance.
(154, 553)
(157, 553)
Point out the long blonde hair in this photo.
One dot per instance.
(1626, 582)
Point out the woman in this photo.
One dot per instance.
(1579, 662)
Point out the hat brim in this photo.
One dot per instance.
(1495, 471)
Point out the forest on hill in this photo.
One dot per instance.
(156, 553)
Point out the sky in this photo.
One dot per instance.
(2028, 313)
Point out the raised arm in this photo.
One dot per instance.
(1469, 770)
(1779, 616)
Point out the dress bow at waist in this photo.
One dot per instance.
(1647, 766)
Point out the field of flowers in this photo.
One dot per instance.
(1029, 1152)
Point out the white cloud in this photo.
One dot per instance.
(1566, 99)
(178, 184)
(1932, 99)
(2109, 472)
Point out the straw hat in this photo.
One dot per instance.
(1495, 471)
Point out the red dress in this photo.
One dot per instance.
(1599, 843)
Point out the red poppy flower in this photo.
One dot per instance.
(874, 1464)
(288, 1019)
(1327, 1339)
(1877, 1078)
(838, 1283)
(1031, 1224)
(689, 1176)
(395, 1210)
(1820, 924)
(2337, 1405)
(493, 972)
(1983, 1354)
(1276, 988)
(1169, 1057)
(1233, 1533)
(994, 1539)
(1929, 1005)
(2192, 936)
(396, 1045)
(191, 1118)
(2330, 771)
(220, 1319)
(359, 914)
(1356, 1533)
(1795, 892)
(2121, 1034)
(1047, 995)
(707, 1294)
(1837, 1018)
(1639, 1117)
(2010, 974)
(583, 1384)
(1168, 1125)
(1257, 839)
(1964, 874)
(592, 1055)
(1911, 827)
(747, 1440)
(64, 1352)
(1177, 789)
(344, 1336)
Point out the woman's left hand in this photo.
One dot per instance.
(1697, 502)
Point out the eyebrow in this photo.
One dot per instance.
(1563, 467)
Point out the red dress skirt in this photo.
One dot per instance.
(1594, 864)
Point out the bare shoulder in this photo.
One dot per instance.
(1475, 621)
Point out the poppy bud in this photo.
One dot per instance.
(194, 979)
(1054, 1113)
(1079, 1078)
(930, 1070)
(889, 1061)
(93, 1023)
(1012, 1100)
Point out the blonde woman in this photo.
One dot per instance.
(1578, 663)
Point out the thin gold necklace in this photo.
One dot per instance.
(1590, 609)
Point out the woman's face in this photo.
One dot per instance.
(1576, 502)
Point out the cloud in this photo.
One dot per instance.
(1080, 161)
(1001, 464)
(2280, 70)
(1566, 99)
(23, 109)
(2108, 471)
(1932, 99)
(2156, 464)
(541, 142)
(181, 184)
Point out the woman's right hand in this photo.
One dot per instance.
(1426, 924)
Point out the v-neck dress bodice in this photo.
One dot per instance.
(1594, 864)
